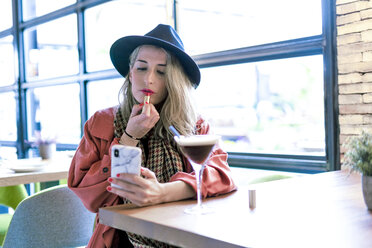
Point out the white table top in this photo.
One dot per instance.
(323, 210)
(24, 171)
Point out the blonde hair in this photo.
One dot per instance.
(178, 108)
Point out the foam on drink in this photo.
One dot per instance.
(197, 140)
(197, 147)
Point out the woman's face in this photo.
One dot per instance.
(148, 74)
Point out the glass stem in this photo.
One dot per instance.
(199, 178)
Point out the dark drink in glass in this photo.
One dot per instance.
(197, 149)
(197, 153)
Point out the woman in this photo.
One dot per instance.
(157, 63)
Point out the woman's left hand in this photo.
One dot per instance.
(142, 191)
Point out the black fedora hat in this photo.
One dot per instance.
(162, 36)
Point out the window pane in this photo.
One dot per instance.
(55, 111)
(8, 119)
(5, 14)
(6, 61)
(103, 94)
(34, 8)
(51, 49)
(7, 153)
(108, 22)
(265, 105)
(209, 25)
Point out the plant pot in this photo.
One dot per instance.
(47, 150)
(367, 190)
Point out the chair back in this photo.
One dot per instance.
(11, 196)
(54, 217)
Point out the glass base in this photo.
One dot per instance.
(199, 210)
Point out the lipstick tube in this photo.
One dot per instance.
(252, 198)
(146, 100)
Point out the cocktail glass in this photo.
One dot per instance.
(197, 149)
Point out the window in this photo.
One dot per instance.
(103, 94)
(261, 70)
(6, 61)
(5, 14)
(8, 153)
(8, 130)
(51, 49)
(55, 111)
(107, 22)
(35, 8)
(266, 105)
(242, 23)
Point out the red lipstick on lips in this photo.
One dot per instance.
(147, 92)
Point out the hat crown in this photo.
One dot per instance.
(163, 36)
(168, 34)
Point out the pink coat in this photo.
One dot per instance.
(90, 169)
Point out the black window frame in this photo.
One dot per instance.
(324, 44)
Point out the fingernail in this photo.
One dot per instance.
(118, 175)
(109, 188)
(147, 102)
(109, 179)
(141, 104)
(142, 169)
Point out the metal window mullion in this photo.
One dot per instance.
(330, 85)
(20, 76)
(6, 32)
(285, 49)
(306, 164)
(83, 104)
(60, 13)
(81, 42)
(48, 17)
(97, 75)
(82, 69)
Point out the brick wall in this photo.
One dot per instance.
(354, 58)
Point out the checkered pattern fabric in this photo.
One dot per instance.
(163, 159)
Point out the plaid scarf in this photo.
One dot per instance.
(163, 159)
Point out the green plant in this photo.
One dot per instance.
(358, 154)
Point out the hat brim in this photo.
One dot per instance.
(123, 47)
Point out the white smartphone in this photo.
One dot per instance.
(125, 159)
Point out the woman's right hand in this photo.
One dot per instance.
(140, 124)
